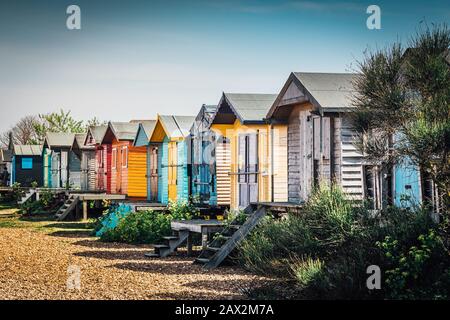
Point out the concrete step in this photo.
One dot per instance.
(152, 255)
(171, 238)
(160, 246)
(202, 260)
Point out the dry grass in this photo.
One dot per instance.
(35, 256)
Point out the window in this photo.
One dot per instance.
(27, 163)
(124, 157)
(114, 158)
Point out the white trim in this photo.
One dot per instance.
(126, 153)
(114, 158)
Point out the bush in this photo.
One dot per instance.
(143, 226)
(327, 248)
(140, 227)
(182, 210)
(418, 271)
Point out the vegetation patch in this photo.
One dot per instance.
(325, 251)
(143, 226)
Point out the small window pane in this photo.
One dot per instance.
(27, 163)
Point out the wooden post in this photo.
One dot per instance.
(189, 245)
(85, 210)
(204, 238)
(77, 211)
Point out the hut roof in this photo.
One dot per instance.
(146, 129)
(247, 107)
(5, 155)
(206, 112)
(329, 92)
(97, 133)
(176, 126)
(59, 139)
(27, 150)
(78, 142)
(124, 130)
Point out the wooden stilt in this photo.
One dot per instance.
(189, 245)
(85, 210)
(204, 238)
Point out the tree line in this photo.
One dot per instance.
(32, 129)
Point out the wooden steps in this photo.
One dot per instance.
(28, 195)
(223, 244)
(171, 245)
(67, 207)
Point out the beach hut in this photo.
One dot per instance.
(170, 134)
(5, 166)
(128, 163)
(88, 162)
(142, 139)
(321, 139)
(27, 165)
(62, 166)
(251, 154)
(94, 139)
(203, 163)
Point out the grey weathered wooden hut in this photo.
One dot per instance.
(202, 157)
(62, 167)
(88, 165)
(320, 136)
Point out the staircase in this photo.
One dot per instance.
(67, 207)
(223, 244)
(172, 243)
(28, 195)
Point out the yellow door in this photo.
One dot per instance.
(173, 171)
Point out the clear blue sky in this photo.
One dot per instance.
(133, 59)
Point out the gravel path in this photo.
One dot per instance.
(34, 264)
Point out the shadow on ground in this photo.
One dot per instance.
(114, 255)
(71, 234)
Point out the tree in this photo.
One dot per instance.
(403, 105)
(94, 122)
(23, 132)
(58, 122)
(32, 129)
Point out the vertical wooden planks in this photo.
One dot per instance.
(280, 163)
(223, 169)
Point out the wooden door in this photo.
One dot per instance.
(64, 169)
(100, 169)
(56, 167)
(119, 170)
(248, 169)
(173, 171)
(47, 169)
(84, 171)
(153, 173)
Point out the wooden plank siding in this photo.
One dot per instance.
(227, 172)
(321, 150)
(137, 170)
(223, 170)
(182, 172)
(163, 169)
(128, 176)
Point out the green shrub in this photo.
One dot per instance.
(182, 210)
(339, 239)
(147, 226)
(309, 272)
(140, 227)
(418, 271)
